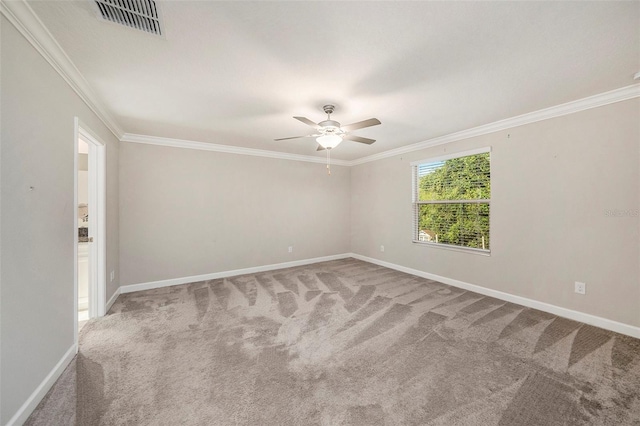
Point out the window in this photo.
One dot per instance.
(451, 200)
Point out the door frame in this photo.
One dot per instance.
(97, 222)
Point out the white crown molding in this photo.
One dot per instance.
(204, 146)
(20, 14)
(606, 98)
(602, 99)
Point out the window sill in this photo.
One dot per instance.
(470, 250)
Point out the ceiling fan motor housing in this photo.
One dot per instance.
(330, 127)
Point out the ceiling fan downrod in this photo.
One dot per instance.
(328, 109)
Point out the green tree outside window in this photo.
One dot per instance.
(463, 181)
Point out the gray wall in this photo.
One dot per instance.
(185, 212)
(552, 183)
(36, 275)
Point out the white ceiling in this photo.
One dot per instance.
(235, 73)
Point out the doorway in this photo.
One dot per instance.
(90, 226)
(83, 232)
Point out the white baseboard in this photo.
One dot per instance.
(215, 275)
(32, 402)
(596, 321)
(111, 301)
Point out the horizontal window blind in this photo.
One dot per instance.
(451, 200)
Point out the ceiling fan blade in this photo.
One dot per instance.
(308, 122)
(358, 139)
(295, 137)
(320, 148)
(361, 124)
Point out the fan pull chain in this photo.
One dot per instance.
(329, 162)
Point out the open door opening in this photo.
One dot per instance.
(83, 233)
(90, 220)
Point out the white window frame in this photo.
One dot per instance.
(416, 202)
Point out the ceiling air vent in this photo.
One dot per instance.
(143, 15)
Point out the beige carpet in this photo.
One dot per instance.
(341, 343)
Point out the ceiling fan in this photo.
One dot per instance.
(330, 133)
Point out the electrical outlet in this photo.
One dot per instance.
(290, 249)
(113, 275)
(381, 248)
(581, 288)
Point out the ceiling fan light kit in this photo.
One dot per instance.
(329, 141)
(330, 133)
